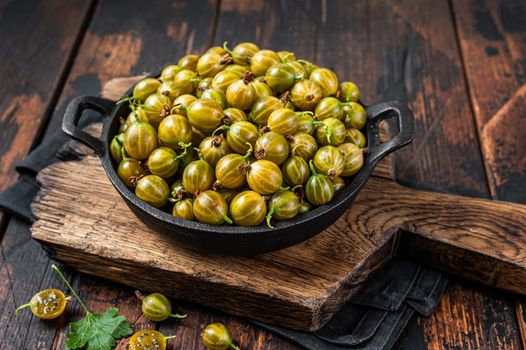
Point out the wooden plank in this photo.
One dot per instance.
(34, 60)
(492, 37)
(407, 50)
(112, 47)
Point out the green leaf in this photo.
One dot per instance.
(97, 331)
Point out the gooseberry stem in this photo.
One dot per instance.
(312, 169)
(228, 220)
(177, 316)
(21, 307)
(249, 151)
(226, 48)
(235, 347)
(348, 104)
(269, 216)
(300, 113)
(199, 153)
(222, 127)
(57, 270)
(185, 150)
(179, 105)
(170, 337)
(285, 57)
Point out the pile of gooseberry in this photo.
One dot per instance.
(240, 136)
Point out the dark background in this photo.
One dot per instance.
(459, 64)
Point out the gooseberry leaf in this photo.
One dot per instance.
(97, 331)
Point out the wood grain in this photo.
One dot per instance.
(32, 71)
(492, 38)
(152, 36)
(407, 50)
(38, 40)
(300, 286)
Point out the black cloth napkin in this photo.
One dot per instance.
(372, 319)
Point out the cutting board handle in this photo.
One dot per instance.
(483, 240)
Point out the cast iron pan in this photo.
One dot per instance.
(238, 240)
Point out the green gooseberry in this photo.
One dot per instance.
(319, 188)
(216, 336)
(145, 88)
(157, 107)
(172, 89)
(169, 72)
(188, 62)
(305, 94)
(329, 161)
(177, 190)
(305, 207)
(198, 176)
(348, 92)
(357, 137)
(283, 205)
(116, 147)
(352, 158)
(306, 124)
(216, 95)
(295, 171)
(153, 190)
(181, 104)
(140, 140)
(263, 108)
(233, 115)
(225, 78)
(354, 115)
(330, 131)
(241, 94)
(211, 63)
(272, 146)
(130, 171)
(183, 209)
(205, 114)
(299, 70)
(175, 130)
(286, 56)
(214, 148)
(248, 208)
(164, 162)
(261, 88)
(211, 208)
(329, 107)
(303, 145)
(326, 79)
(242, 52)
(262, 61)
(156, 307)
(240, 136)
(264, 177)
(280, 77)
(231, 170)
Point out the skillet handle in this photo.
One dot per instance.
(406, 125)
(73, 114)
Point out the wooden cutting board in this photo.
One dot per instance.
(84, 223)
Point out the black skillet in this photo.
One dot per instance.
(238, 240)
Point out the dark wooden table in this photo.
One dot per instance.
(460, 65)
